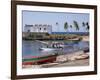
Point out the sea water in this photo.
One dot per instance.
(32, 48)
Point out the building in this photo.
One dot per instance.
(44, 28)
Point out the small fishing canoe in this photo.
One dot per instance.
(39, 60)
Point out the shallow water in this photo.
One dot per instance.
(31, 48)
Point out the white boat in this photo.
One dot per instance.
(54, 46)
(49, 49)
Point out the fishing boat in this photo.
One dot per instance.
(53, 46)
(48, 49)
(38, 60)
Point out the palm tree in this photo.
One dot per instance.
(70, 26)
(65, 25)
(56, 23)
(83, 24)
(76, 25)
(87, 24)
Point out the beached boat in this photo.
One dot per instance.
(39, 60)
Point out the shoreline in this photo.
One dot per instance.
(84, 62)
(76, 59)
(79, 58)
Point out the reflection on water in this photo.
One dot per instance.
(31, 48)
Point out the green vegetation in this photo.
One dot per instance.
(87, 26)
(83, 24)
(46, 36)
(76, 25)
(65, 25)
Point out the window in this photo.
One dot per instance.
(44, 28)
(28, 30)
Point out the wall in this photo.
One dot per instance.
(5, 37)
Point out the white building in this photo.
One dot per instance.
(38, 28)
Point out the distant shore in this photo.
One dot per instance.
(46, 36)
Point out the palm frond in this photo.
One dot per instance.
(66, 25)
(76, 25)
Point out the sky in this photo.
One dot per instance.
(41, 17)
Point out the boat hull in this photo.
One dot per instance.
(40, 60)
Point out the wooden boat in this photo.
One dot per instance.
(49, 49)
(39, 60)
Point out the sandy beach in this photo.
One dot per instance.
(85, 38)
(84, 62)
(77, 59)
